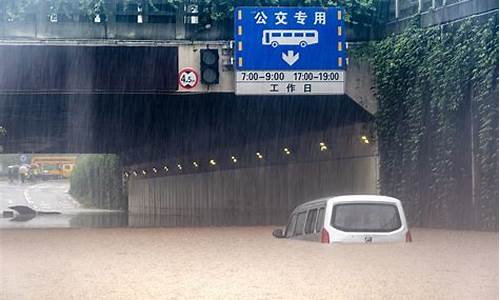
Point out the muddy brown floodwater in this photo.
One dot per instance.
(241, 263)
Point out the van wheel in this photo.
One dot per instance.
(274, 44)
(303, 44)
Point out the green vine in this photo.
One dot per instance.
(366, 12)
(438, 105)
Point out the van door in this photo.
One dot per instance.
(367, 223)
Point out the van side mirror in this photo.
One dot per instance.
(278, 233)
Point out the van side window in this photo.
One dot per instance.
(299, 227)
(321, 219)
(311, 221)
(291, 225)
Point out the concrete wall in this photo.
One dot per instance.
(444, 12)
(251, 196)
(359, 84)
(255, 194)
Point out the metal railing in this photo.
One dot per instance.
(400, 9)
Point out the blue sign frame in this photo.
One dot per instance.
(289, 38)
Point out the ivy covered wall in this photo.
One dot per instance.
(437, 122)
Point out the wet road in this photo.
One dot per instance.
(242, 263)
(53, 196)
(49, 195)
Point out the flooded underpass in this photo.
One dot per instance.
(274, 149)
(242, 263)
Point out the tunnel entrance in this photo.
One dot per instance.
(230, 160)
(227, 160)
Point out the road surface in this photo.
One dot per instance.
(52, 196)
(241, 263)
(48, 195)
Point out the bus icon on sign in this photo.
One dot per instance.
(299, 37)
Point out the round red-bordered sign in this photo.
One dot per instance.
(188, 78)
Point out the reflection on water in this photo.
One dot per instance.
(207, 217)
(107, 219)
(67, 220)
(22, 218)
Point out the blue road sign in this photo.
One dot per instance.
(289, 38)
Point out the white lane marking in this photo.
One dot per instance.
(27, 197)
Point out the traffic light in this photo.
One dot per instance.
(209, 62)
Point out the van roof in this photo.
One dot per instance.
(348, 198)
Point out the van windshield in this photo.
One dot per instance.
(366, 217)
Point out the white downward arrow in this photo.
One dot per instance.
(290, 58)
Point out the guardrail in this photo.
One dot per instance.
(400, 9)
(437, 12)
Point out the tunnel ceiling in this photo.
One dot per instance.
(87, 69)
(163, 124)
(105, 99)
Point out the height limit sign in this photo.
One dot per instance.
(289, 51)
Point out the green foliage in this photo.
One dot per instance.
(365, 12)
(96, 181)
(357, 11)
(18, 10)
(437, 106)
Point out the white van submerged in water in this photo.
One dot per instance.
(348, 219)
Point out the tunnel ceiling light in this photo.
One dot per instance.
(155, 170)
(135, 173)
(144, 172)
(234, 159)
(259, 155)
(365, 139)
(322, 147)
(165, 168)
(126, 174)
(195, 164)
(212, 162)
(287, 151)
(179, 166)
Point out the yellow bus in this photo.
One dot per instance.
(53, 167)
